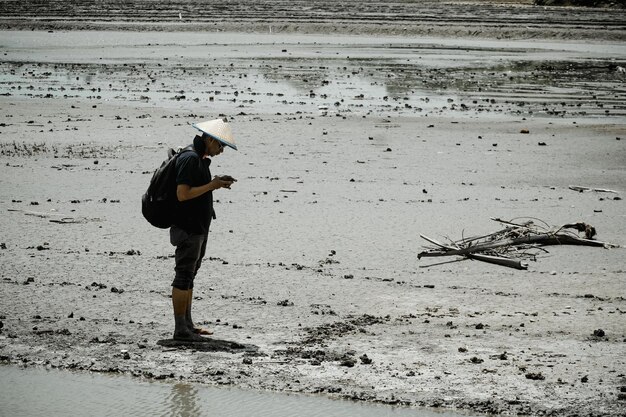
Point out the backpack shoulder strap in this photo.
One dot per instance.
(185, 149)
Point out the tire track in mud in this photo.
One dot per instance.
(478, 18)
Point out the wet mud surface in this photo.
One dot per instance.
(348, 153)
(342, 75)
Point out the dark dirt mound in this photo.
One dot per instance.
(582, 3)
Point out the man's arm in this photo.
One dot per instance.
(186, 192)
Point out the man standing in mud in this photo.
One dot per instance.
(194, 192)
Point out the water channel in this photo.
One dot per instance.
(39, 392)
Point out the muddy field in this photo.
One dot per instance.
(350, 148)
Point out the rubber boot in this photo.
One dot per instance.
(190, 324)
(180, 300)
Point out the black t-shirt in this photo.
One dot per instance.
(194, 216)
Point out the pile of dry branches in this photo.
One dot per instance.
(517, 242)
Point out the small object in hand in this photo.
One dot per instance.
(227, 178)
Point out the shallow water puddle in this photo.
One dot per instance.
(39, 392)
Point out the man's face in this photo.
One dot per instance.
(213, 147)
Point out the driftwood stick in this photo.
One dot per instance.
(565, 239)
(498, 260)
(598, 190)
(499, 220)
(444, 262)
(434, 242)
(69, 220)
(525, 225)
(37, 213)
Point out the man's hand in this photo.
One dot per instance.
(223, 181)
(227, 178)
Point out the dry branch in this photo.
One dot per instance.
(520, 239)
(543, 239)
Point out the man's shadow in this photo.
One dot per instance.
(210, 345)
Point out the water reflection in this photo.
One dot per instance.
(183, 401)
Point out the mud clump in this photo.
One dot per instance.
(538, 376)
(325, 332)
(365, 360)
(348, 361)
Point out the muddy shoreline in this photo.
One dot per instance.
(350, 149)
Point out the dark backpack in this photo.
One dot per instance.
(158, 204)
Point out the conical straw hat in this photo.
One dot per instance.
(217, 129)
